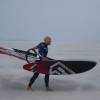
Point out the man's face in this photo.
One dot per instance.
(48, 41)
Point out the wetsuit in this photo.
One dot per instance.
(43, 51)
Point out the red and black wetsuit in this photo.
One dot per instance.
(43, 51)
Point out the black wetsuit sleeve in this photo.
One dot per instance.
(38, 46)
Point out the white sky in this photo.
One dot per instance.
(67, 20)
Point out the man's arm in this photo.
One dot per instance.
(43, 58)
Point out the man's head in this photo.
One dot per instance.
(47, 40)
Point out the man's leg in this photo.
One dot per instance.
(34, 77)
(47, 81)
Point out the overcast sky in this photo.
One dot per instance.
(67, 20)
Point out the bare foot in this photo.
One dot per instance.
(29, 88)
(48, 89)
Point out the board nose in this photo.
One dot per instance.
(94, 64)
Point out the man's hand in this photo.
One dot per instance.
(34, 49)
(45, 59)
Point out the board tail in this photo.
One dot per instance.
(40, 67)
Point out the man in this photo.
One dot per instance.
(43, 51)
